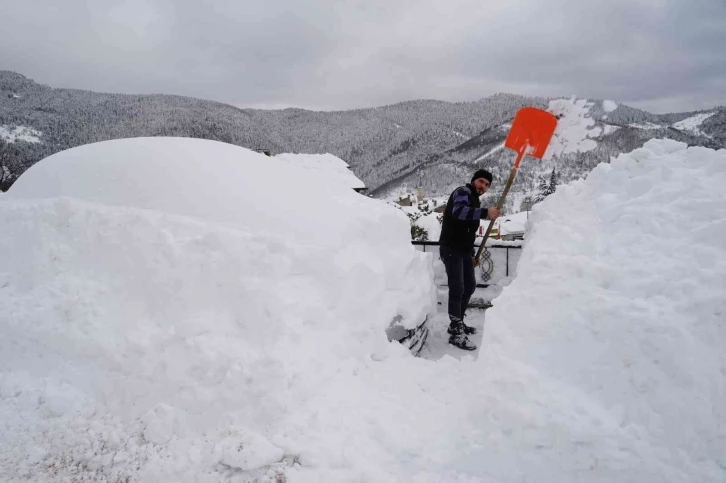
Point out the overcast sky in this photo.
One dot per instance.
(660, 55)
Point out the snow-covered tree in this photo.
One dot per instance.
(547, 185)
(10, 165)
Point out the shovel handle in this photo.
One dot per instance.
(502, 198)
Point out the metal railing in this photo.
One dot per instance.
(496, 261)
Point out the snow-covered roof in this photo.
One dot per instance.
(616, 311)
(510, 224)
(326, 166)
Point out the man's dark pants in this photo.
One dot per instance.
(462, 280)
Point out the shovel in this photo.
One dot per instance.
(530, 133)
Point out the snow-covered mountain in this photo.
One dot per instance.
(424, 143)
(588, 133)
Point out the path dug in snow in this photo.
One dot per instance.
(437, 344)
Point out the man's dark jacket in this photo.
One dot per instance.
(461, 219)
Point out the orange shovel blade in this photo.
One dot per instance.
(531, 132)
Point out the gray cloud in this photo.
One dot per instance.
(662, 55)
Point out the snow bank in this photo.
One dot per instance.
(617, 310)
(211, 181)
(325, 166)
(188, 307)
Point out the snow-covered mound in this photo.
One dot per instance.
(618, 309)
(325, 165)
(187, 307)
(211, 181)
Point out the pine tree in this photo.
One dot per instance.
(554, 181)
(10, 165)
(542, 189)
(545, 187)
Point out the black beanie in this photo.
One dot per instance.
(482, 173)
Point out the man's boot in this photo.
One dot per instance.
(468, 329)
(457, 337)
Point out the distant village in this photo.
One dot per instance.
(421, 210)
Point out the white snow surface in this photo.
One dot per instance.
(430, 222)
(648, 126)
(609, 129)
(326, 165)
(574, 128)
(19, 133)
(147, 338)
(693, 123)
(514, 223)
(617, 317)
(495, 149)
(185, 305)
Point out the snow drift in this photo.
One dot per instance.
(618, 301)
(325, 166)
(182, 291)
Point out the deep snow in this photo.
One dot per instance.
(325, 166)
(174, 310)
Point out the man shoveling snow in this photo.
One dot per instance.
(458, 233)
